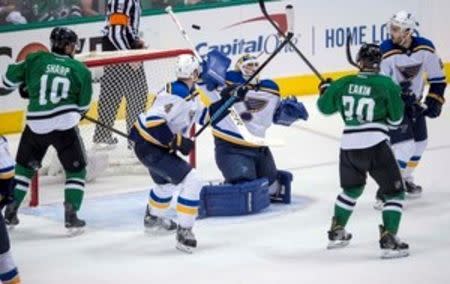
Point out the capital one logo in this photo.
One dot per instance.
(256, 43)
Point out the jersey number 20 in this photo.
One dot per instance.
(59, 89)
(363, 108)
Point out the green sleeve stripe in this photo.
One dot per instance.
(396, 122)
(9, 84)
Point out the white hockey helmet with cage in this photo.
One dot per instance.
(405, 20)
(186, 66)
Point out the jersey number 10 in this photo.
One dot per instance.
(363, 108)
(59, 89)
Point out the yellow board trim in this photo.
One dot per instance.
(289, 86)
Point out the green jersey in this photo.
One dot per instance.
(368, 103)
(59, 88)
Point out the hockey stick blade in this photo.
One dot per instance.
(262, 6)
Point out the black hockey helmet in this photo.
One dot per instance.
(369, 57)
(60, 37)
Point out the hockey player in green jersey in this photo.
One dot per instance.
(369, 104)
(59, 90)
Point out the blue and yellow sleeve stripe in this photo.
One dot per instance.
(154, 121)
(144, 133)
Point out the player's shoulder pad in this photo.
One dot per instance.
(388, 48)
(178, 89)
(234, 77)
(421, 43)
(269, 86)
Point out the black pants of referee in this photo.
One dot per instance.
(118, 81)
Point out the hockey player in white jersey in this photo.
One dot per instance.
(159, 134)
(408, 59)
(8, 270)
(239, 159)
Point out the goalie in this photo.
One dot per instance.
(246, 166)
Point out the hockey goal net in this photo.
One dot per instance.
(124, 85)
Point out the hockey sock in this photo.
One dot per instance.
(345, 202)
(23, 178)
(159, 199)
(392, 212)
(8, 270)
(74, 189)
(187, 210)
(411, 166)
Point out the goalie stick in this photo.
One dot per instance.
(229, 103)
(262, 5)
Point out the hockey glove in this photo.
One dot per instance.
(182, 144)
(289, 111)
(434, 105)
(214, 69)
(6, 192)
(323, 85)
(23, 91)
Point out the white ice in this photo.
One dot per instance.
(285, 244)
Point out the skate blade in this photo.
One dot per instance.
(11, 227)
(378, 206)
(389, 254)
(73, 232)
(103, 147)
(337, 244)
(185, 249)
(158, 231)
(413, 195)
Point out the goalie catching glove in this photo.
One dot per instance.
(289, 111)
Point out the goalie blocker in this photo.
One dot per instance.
(243, 198)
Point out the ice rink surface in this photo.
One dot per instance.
(284, 244)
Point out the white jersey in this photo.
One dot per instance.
(413, 64)
(6, 160)
(175, 108)
(256, 110)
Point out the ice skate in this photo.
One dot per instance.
(338, 237)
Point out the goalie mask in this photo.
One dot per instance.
(247, 65)
(401, 27)
(187, 67)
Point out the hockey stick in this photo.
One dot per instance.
(262, 5)
(118, 132)
(233, 114)
(349, 52)
(234, 98)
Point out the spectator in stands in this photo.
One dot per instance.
(9, 14)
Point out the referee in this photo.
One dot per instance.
(127, 80)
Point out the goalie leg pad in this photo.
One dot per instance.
(283, 194)
(234, 200)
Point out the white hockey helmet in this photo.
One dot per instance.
(405, 20)
(186, 66)
(247, 64)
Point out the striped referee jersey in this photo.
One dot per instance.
(122, 22)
